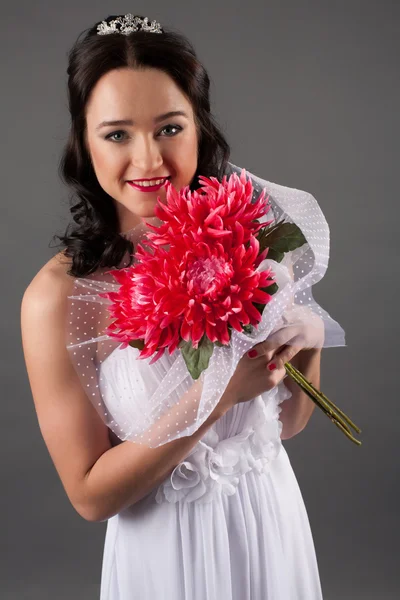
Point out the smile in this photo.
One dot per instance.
(148, 186)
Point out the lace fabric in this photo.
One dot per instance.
(155, 404)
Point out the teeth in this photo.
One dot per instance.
(149, 183)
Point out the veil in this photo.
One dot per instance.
(155, 404)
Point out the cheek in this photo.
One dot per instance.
(108, 165)
(186, 155)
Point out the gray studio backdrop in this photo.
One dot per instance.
(308, 95)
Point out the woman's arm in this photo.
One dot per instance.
(128, 472)
(100, 480)
(297, 410)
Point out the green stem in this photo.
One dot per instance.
(323, 402)
(323, 397)
(304, 384)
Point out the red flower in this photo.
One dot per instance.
(214, 211)
(205, 283)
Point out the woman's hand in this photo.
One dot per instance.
(302, 330)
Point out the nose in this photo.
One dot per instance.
(146, 156)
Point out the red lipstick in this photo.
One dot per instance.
(149, 188)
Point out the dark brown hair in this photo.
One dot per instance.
(93, 240)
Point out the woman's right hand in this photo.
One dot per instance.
(250, 379)
(302, 329)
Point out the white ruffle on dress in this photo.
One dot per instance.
(229, 523)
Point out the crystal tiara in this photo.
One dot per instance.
(127, 24)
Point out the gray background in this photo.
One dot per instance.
(308, 96)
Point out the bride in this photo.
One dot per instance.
(217, 513)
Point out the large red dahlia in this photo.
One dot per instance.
(206, 282)
(186, 292)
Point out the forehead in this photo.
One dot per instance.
(140, 95)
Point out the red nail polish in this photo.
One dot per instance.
(272, 366)
(252, 353)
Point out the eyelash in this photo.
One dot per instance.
(109, 136)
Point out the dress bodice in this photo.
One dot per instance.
(245, 438)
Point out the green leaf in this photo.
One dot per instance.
(275, 255)
(290, 238)
(221, 345)
(259, 307)
(248, 328)
(280, 237)
(271, 289)
(197, 359)
(139, 344)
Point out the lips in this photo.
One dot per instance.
(148, 188)
(147, 180)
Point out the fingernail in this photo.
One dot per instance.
(272, 366)
(252, 353)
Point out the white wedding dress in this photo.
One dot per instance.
(228, 524)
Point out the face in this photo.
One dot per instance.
(145, 146)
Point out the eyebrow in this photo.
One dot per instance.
(172, 113)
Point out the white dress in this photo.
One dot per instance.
(228, 524)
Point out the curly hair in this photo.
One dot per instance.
(93, 239)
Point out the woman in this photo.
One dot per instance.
(140, 110)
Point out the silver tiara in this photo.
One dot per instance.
(127, 24)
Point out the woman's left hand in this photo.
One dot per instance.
(303, 329)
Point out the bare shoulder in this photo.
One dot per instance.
(52, 282)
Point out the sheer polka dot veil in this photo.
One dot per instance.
(155, 404)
